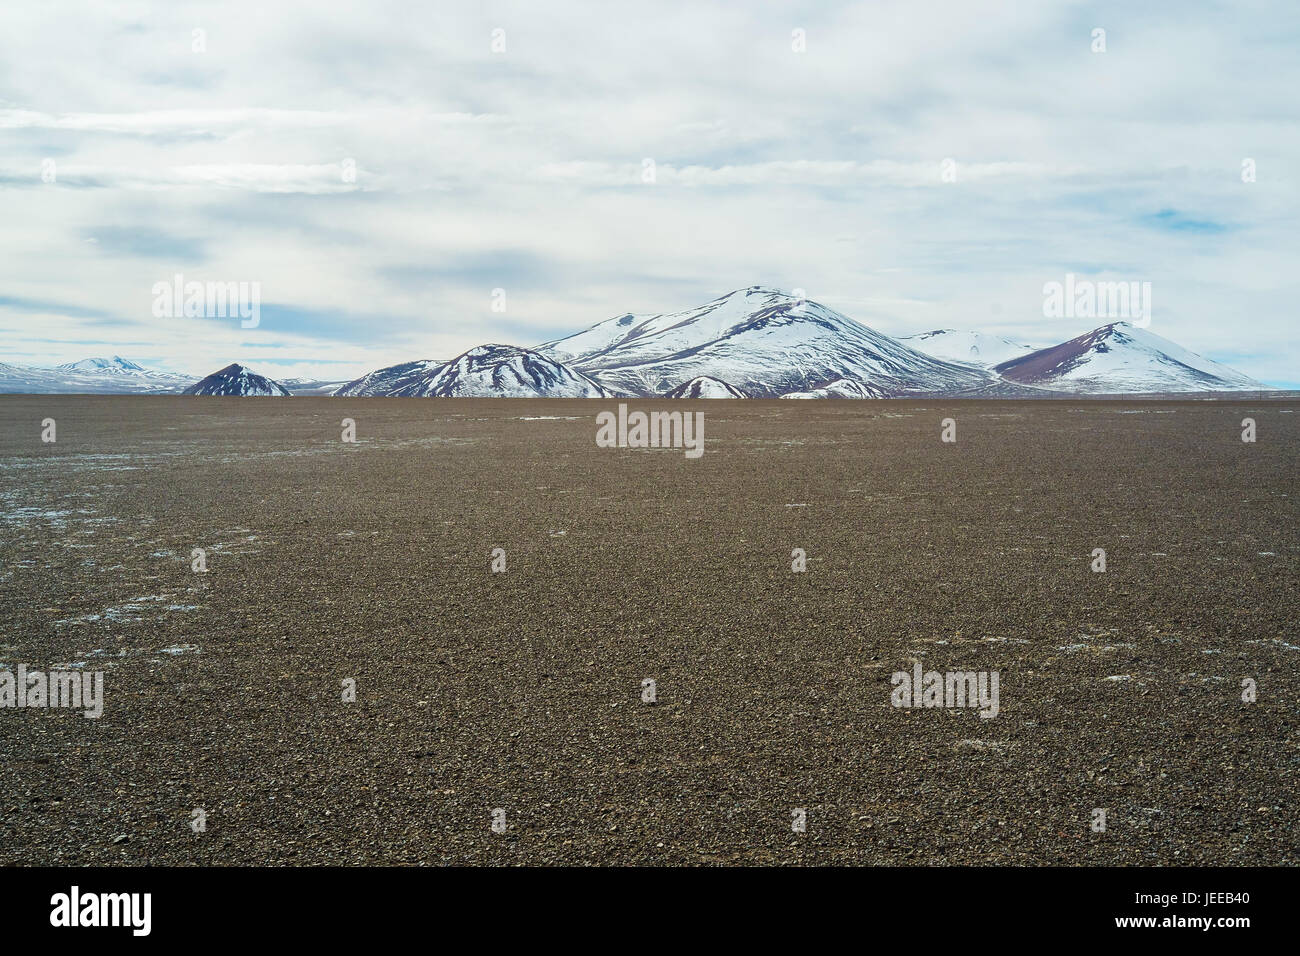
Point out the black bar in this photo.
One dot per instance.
(947, 906)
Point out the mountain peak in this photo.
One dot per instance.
(114, 364)
(491, 350)
(235, 379)
(1120, 357)
(485, 371)
(762, 290)
(705, 386)
(508, 371)
(770, 294)
(757, 341)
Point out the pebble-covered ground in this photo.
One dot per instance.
(330, 562)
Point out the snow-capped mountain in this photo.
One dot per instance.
(310, 386)
(1121, 358)
(236, 380)
(704, 386)
(92, 376)
(751, 343)
(488, 371)
(840, 388)
(976, 348)
(763, 342)
(393, 380)
(116, 364)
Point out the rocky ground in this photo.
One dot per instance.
(522, 690)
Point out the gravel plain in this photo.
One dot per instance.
(330, 562)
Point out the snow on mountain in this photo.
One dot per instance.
(310, 386)
(762, 341)
(488, 371)
(840, 388)
(116, 364)
(31, 381)
(393, 380)
(1120, 358)
(91, 376)
(976, 348)
(237, 380)
(755, 342)
(704, 386)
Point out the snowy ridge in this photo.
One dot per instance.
(750, 343)
(501, 371)
(974, 348)
(763, 342)
(392, 380)
(1120, 358)
(705, 387)
(311, 386)
(116, 364)
(114, 375)
(239, 381)
(840, 388)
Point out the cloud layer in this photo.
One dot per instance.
(381, 169)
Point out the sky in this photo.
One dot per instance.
(382, 169)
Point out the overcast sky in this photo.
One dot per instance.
(522, 170)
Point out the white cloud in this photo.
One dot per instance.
(523, 170)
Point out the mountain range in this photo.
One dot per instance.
(751, 343)
(91, 376)
(487, 371)
(977, 348)
(761, 342)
